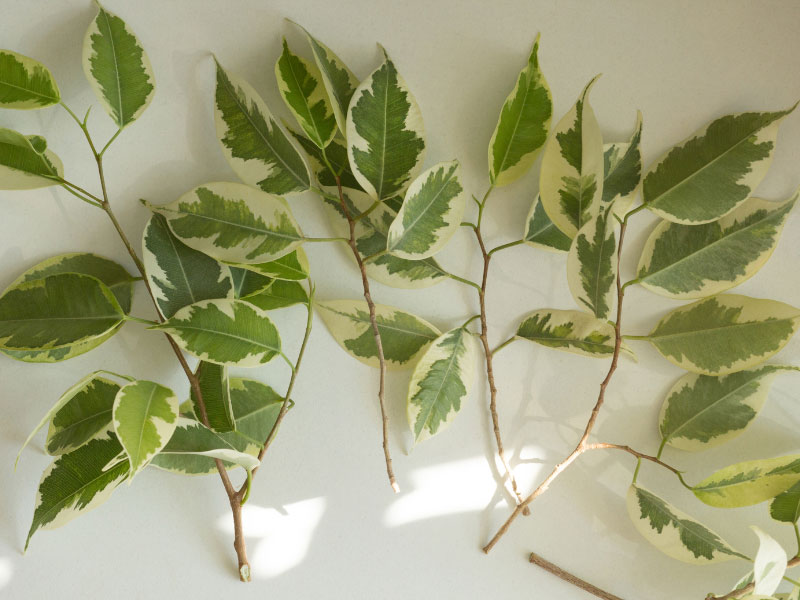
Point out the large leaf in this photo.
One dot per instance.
(569, 330)
(226, 332)
(76, 482)
(86, 412)
(622, 171)
(233, 223)
(702, 411)
(403, 335)
(785, 507)
(252, 142)
(693, 261)
(540, 232)
(117, 68)
(179, 275)
(674, 532)
(291, 267)
(25, 83)
(724, 333)
(430, 215)
(522, 127)
(59, 310)
(215, 388)
(713, 171)
(592, 265)
(25, 165)
(300, 84)
(750, 482)
(385, 136)
(571, 183)
(769, 565)
(144, 416)
(441, 380)
(62, 352)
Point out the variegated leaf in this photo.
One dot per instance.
(385, 134)
(233, 223)
(540, 232)
(291, 267)
(226, 332)
(430, 215)
(62, 352)
(26, 163)
(117, 68)
(622, 171)
(335, 155)
(571, 182)
(569, 330)
(725, 333)
(592, 265)
(215, 388)
(301, 87)
(522, 128)
(750, 482)
(247, 282)
(769, 565)
(279, 294)
(713, 171)
(252, 142)
(701, 411)
(403, 335)
(441, 380)
(785, 507)
(674, 532)
(144, 416)
(694, 261)
(25, 83)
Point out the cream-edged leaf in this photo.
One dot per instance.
(769, 565)
(291, 267)
(592, 265)
(569, 330)
(622, 171)
(279, 294)
(749, 482)
(24, 166)
(541, 232)
(25, 83)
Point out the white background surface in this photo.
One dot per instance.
(322, 520)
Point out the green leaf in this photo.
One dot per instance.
(701, 411)
(569, 330)
(252, 142)
(750, 482)
(76, 483)
(442, 378)
(693, 261)
(25, 83)
(430, 215)
(523, 124)
(226, 332)
(61, 353)
(82, 415)
(571, 182)
(674, 532)
(725, 333)
(279, 294)
(339, 81)
(247, 282)
(291, 267)
(300, 84)
(403, 335)
(592, 265)
(233, 223)
(712, 172)
(769, 565)
(785, 507)
(335, 154)
(385, 135)
(22, 167)
(144, 416)
(256, 407)
(117, 68)
(214, 386)
(540, 232)
(178, 275)
(59, 310)
(622, 171)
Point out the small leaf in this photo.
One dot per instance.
(702, 411)
(22, 167)
(540, 232)
(300, 84)
(592, 265)
(252, 142)
(403, 335)
(785, 507)
(214, 386)
(226, 332)
(712, 172)
(117, 68)
(622, 171)
(442, 378)
(291, 267)
(233, 223)
(247, 282)
(430, 215)
(569, 330)
(694, 261)
(522, 127)
(725, 333)
(144, 417)
(279, 294)
(385, 135)
(25, 83)
(674, 532)
(571, 182)
(769, 565)
(336, 155)
(750, 482)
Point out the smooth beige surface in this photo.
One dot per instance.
(322, 521)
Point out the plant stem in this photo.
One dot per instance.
(570, 578)
(748, 588)
(504, 246)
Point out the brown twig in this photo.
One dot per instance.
(749, 587)
(570, 578)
